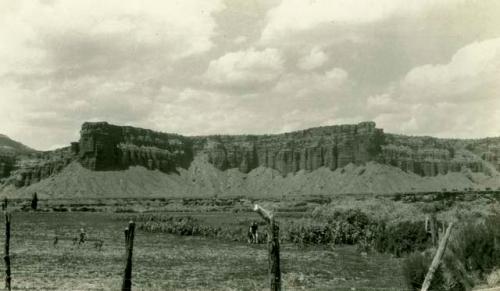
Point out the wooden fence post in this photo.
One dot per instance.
(6, 251)
(273, 243)
(129, 246)
(437, 259)
(434, 230)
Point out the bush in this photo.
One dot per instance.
(401, 238)
(477, 246)
(190, 226)
(307, 232)
(472, 254)
(415, 269)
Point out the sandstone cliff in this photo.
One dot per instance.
(103, 146)
(106, 147)
(428, 156)
(331, 147)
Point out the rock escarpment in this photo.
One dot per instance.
(41, 165)
(104, 147)
(330, 146)
(6, 165)
(11, 152)
(428, 156)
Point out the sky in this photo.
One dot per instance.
(203, 67)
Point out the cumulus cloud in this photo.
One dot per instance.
(472, 73)
(297, 15)
(315, 59)
(246, 67)
(303, 84)
(64, 63)
(202, 67)
(459, 98)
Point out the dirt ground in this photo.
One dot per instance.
(168, 262)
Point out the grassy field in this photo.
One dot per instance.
(169, 262)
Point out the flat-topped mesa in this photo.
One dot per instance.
(310, 149)
(429, 156)
(103, 146)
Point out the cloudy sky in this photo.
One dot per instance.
(248, 66)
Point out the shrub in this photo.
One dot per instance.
(472, 254)
(477, 246)
(305, 231)
(190, 226)
(415, 269)
(401, 238)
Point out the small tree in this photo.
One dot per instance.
(34, 202)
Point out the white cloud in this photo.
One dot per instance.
(246, 67)
(240, 39)
(298, 15)
(457, 99)
(67, 62)
(315, 59)
(180, 28)
(196, 67)
(472, 73)
(306, 85)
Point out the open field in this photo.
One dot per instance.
(218, 258)
(163, 261)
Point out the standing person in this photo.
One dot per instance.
(83, 236)
(253, 230)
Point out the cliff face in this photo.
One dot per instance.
(42, 165)
(103, 147)
(428, 156)
(6, 165)
(106, 147)
(10, 152)
(332, 147)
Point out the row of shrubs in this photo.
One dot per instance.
(473, 251)
(351, 227)
(190, 226)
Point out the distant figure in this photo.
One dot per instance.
(82, 236)
(56, 240)
(253, 232)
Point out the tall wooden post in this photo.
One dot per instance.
(273, 244)
(437, 259)
(434, 230)
(129, 246)
(6, 251)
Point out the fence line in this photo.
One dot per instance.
(273, 244)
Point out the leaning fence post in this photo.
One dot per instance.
(273, 243)
(6, 251)
(437, 259)
(129, 246)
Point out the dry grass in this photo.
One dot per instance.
(167, 262)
